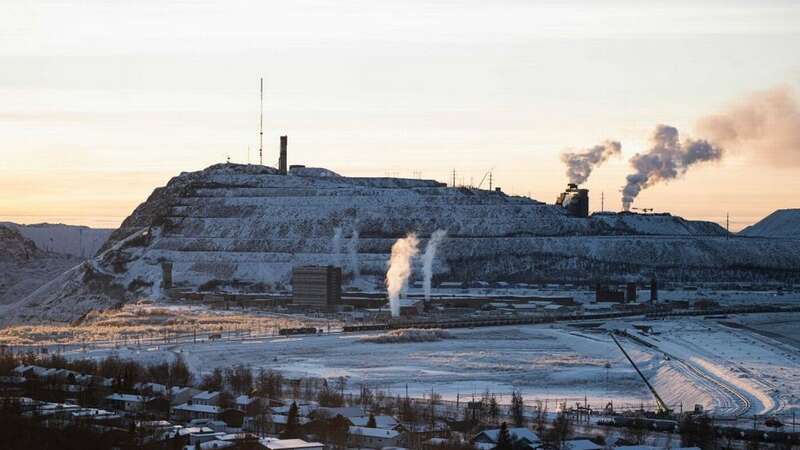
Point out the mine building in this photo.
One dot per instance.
(317, 287)
(574, 200)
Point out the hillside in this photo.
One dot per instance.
(78, 241)
(24, 267)
(783, 223)
(243, 228)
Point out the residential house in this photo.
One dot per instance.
(127, 402)
(207, 398)
(487, 439)
(189, 411)
(363, 437)
(289, 444)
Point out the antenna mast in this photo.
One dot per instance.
(261, 126)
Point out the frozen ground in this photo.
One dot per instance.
(723, 367)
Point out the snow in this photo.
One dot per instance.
(247, 224)
(730, 371)
(783, 223)
(78, 241)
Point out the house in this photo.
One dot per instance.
(362, 437)
(346, 412)
(179, 395)
(289, 444)
(187, 411)
(150, 388)
(581, 444)
(243, 402)
(487, 439)
(207, 398)
(127, 402)
(385, 422)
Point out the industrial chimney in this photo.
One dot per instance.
(282, 159)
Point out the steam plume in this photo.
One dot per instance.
(427, 259)
(352, 250)
(400, 269)
(337, 246)
(580, 165)
(667, 159)
(765, 124)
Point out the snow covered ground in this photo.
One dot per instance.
(712, 362)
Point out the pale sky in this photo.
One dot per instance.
(101, 101)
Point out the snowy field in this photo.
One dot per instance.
(720, 364)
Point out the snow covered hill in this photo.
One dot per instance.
(79, 241)
(783, 223)
(243, 227)
(24, 267)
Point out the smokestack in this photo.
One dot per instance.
(403, 251)
(667, 159)
(653, 290)
(630, 293)
(581, 164)
(282, 160)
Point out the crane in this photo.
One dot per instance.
(662, 407)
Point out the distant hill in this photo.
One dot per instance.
(783, 223)
(243, 228)
(24, 267)
(80, 241)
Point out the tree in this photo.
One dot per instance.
(494, 409)
(225, 400)
(517, 409)
(560, 431)
(213, 381)
(504, 441)
(371, 422)
(292, 430)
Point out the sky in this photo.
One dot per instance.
(101, 101)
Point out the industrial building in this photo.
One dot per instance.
(574, 200)
(317, 287)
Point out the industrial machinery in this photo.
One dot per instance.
(662, 407)
(574, 200)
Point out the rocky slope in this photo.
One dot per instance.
(24, 267)
(79, 241)
(783, 223)
(243, 227)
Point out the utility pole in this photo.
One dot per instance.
(602, 201)
(261, 126)
(490, 181)
(454, 177)
(728, 225)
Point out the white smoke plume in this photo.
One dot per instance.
(765, 125)
(337, 246)
(667, 159)
(352, 250)
(427, 260)
(581, 164)
(403, 251)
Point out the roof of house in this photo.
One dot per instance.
(380, 421)
(287, 444)
(206, 395)
(244, 400)
(347, 411)
(127, 398)
(515, 433)
(581, 444)
(198, 408)
(374, 432)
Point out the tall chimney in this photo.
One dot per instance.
(282, 159)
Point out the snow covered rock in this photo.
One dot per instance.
(783, 223)
(243, 227)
